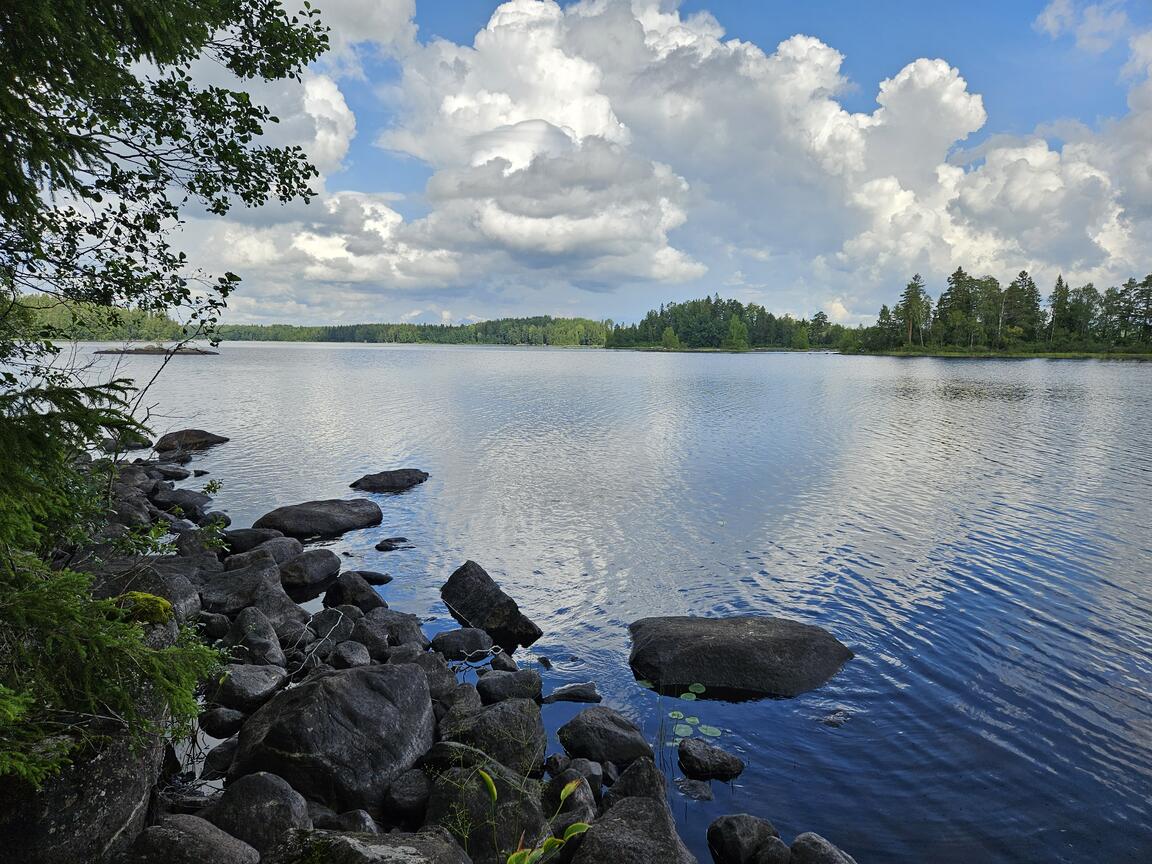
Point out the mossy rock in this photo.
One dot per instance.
(145, 608)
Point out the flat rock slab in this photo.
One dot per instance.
(431, 846)
(329, 518)
(745, 656)
(391, 481)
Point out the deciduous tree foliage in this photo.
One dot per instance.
(105, 140)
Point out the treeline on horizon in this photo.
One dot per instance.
(539, 330)
(974, 314)
(91, 322)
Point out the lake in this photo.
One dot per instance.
(978, 532)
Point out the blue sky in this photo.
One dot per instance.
(865, 207)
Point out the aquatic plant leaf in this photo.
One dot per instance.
(693, 720)
(696, 688)
(711, 731)
(676, 715)
(683, 730)
(647, 685)
(688, 697)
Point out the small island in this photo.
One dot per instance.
(159, 350)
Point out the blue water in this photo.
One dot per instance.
(978, 532)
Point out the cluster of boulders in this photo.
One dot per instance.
(347, 735)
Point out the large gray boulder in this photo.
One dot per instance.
(90, 811)
(259, 585)
(341, 737)
(188, 439)
(475, 600)
(188, 502)
(635, 831)
(329, 518)
(739, 656)
(130, 574)
(258, 808)
(467, 643)
(181, 839)
(603, 735)
(431, 846)
(240, 540)
(498, 686)
(511, 732)
(391, 481)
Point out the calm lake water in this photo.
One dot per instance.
(978, 532)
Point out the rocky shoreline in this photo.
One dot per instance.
(346, 735)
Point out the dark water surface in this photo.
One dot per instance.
(978, 532)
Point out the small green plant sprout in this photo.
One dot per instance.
(698, 689)
(212, 487)
(552, 845)
(488, 784)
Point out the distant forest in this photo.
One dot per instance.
(977, 314)
(542, 330)
(91, 322)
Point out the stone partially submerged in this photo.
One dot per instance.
(329, 518)
(744, 656)
(475, 600)
(188, 439)
(391, 481)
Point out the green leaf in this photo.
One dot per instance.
(647, 685)
(488, 784)
(688, 697)
(574, 829)
(697, 688)
(693, 720)
(519, 857)
(711, 731)
(676, 715)
(569, 788)
(683, 730)
(551, 845)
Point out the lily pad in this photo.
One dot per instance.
(683, 730)
(676, 715)
(697, 688)
(693, 720)
(647, 685)
(710, 731)
(688, 697)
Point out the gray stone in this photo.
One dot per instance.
(381, 629)
(278, 549)
(222, 722)
(502, 661)
(213, 625)
(329, 518)
(342, 737)
(475, 600)
(511, 732)
(498, 686)
(372, 577)
(259, 585)
(348, 655)
(182, 839)
(309, 573)
(745, 655)
(811, 848)
(245, 687)
(187, 502)
(584, 692)
(642, 779)
(349, 589)
(391, 481)
(188, 439)
(258, 808)
(430, 846)
(240, 540)
(407, 797)
(702, 761)
(218, 760)
(467, 643)
(697, 790)
(253, 639)
(738, 838)
(603, 735)
(635, 831)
